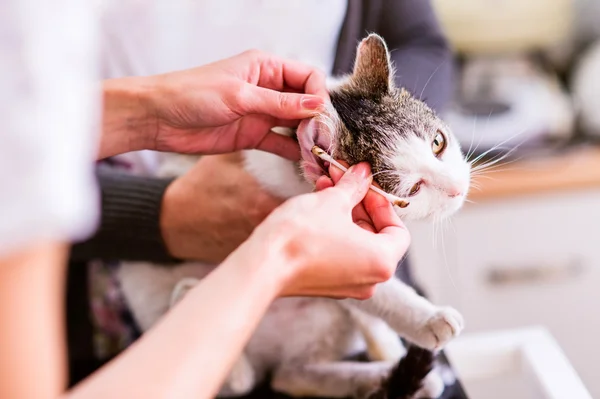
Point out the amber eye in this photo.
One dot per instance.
(414, 189)
(439, 144)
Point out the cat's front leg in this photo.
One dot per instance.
(241, 379)
(411, 315)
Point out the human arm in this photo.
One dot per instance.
(300, 249)
(32, 333)
(221, 107)
(47, 194)
(420, 51)
(203, 215)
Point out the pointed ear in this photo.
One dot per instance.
(373, 71)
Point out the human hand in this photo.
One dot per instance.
(339, 242)
(209, 211)
(232, 104)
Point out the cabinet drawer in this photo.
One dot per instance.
(514, 263)
(523, 363)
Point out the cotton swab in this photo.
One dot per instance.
(319, 152)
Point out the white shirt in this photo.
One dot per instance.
(48, 117)
(49, 61)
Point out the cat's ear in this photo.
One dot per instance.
(373, 71)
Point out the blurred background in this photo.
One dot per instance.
(525, 251)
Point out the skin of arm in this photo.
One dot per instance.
(126, 113)
(231, 299)
(32, 337)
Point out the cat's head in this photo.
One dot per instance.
(413, 153)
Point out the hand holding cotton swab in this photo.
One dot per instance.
(319, 152)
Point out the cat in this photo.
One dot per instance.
(301, 343)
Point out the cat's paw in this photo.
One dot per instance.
(181, 289)
(240, 381)
(444, 325)
(433, 386)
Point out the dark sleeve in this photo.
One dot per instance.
(420, 50)
(130, 220)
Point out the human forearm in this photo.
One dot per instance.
(128, 123)
(32, 364)
(189, 352)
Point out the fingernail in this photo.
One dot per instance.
(361, 170)
(311, 103)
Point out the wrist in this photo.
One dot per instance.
(174, 226)
(129, 119)
(273, 259)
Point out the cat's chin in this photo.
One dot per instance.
(439, 214)
(310, 133)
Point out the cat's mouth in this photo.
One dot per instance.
(312, 132)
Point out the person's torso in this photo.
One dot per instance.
(143, 38)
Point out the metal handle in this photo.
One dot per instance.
(535, 273)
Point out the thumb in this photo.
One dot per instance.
(259, 100)
(354, 184)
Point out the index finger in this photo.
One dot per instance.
(353, 185)
(359, 214)
(386, 221)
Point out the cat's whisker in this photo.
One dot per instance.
(497, 169)
(476, 182)
(493, 166)
(480, 136)
(431, 77)
(494, 169)
(496, 158)
(387, 172)
(472, 139)
(499, 145)
(446, 256)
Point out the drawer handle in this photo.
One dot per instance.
(553, 271)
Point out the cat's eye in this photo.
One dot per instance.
(438, 145)
(414, 189)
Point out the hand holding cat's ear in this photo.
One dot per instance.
(233, 104)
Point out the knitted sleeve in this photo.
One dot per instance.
(130, 220)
